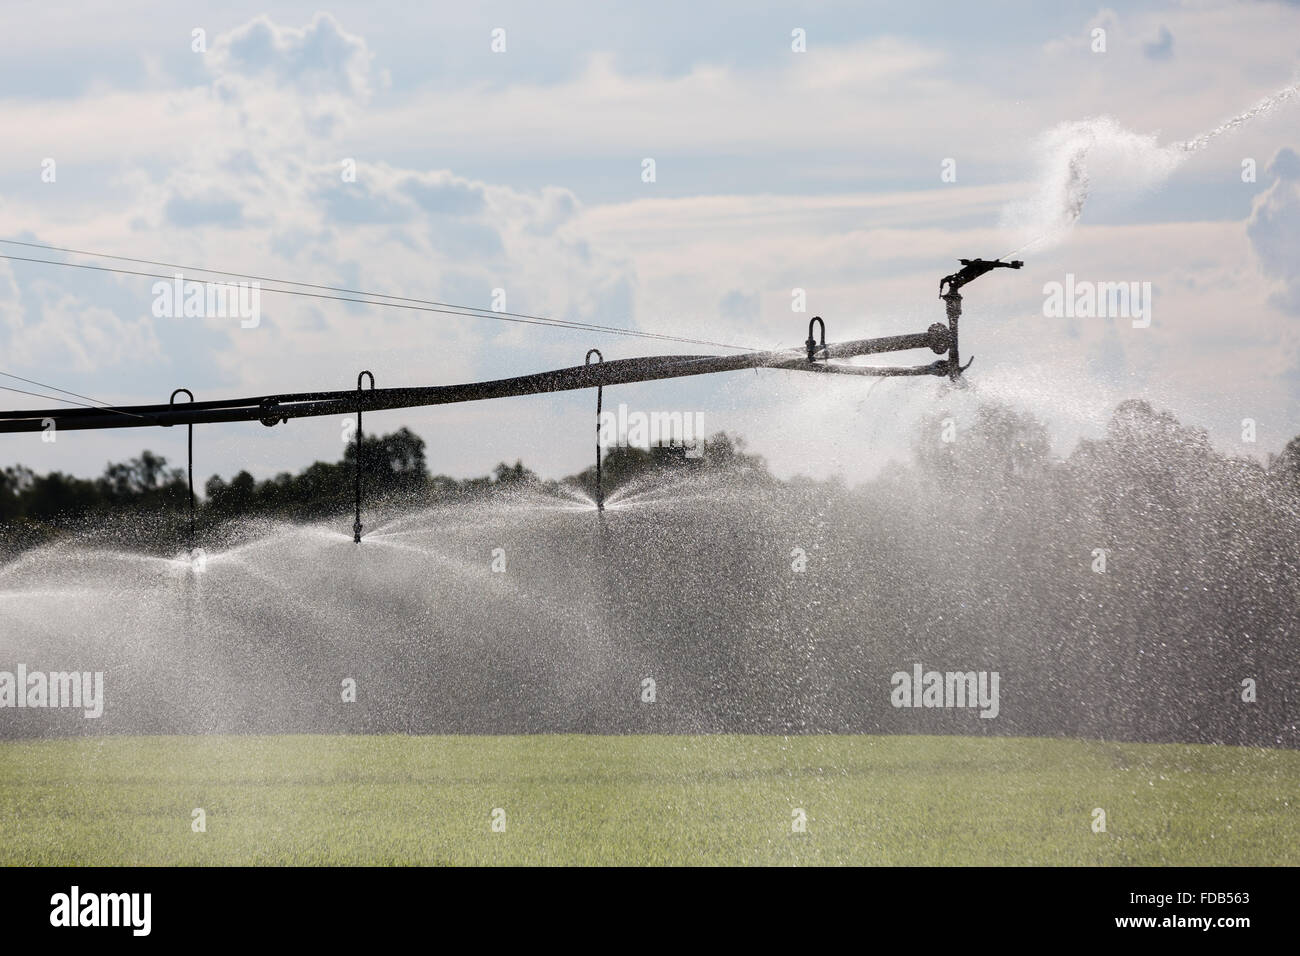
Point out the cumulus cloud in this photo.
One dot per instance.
(270, 191)
(320, 58)
(55, 330)
(318, 75)
(1274, 229)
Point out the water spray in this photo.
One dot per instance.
(1065, 184)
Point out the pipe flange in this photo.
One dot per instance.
(940, 338)
(271, 413)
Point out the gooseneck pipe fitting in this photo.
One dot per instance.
(600, 389)
(189, 544)
(356, 525)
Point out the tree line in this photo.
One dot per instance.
(35, 508)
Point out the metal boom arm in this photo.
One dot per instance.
(272, 409)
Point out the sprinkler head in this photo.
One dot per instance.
(972, 269)
(356, 532)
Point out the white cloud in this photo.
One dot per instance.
(49, 329)
(1274, 229)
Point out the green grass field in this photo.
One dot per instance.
(642, 799)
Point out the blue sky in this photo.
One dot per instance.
(521, 170)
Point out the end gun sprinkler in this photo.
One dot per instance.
(971, 269)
